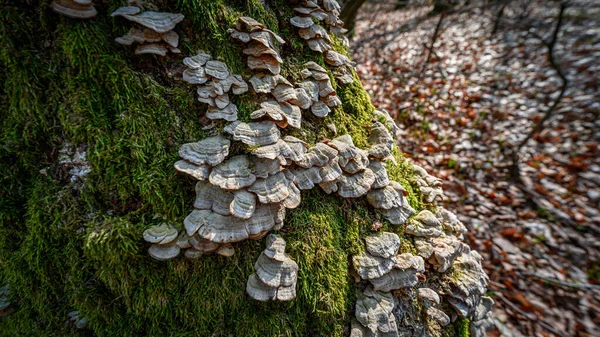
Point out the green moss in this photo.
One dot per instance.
(64, 248)
(462, 327)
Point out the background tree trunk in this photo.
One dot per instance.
(77, 244)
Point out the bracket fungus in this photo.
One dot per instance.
(424, 224)
(254, 133)
(155, 33)
(216, 81)
(430, 186)
(276, 274)
(374, 314)
(76, 9)
(246, 196)
(164, 244)
(315, 35)
(259, 44)
(318, 88)
(233, 174)
(404, 273)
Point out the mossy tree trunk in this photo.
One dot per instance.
(72, 245)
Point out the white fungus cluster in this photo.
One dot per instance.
(246, 196)
(153, 33)
(260, 48)
(318, 38)
(215, 83)
(76, 9)
(275, 274)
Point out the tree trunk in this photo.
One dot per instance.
(349, 12)
(71, 241)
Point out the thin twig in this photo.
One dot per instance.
(564, 284)
(563, 89)
(433, 40)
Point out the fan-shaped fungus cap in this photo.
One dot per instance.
(238, 85)
(381, 152)
(302, 99)
(160, 234)
(344, 75)
(276, 273)
(241, 36)
(374, 311)
(301, 21)
(203, 245)
(356, 185)
(294, 198)
(314, 31)
(403, 275)
(319, 45)
(429, 294)
(370, 267)
(183, 241)
(216, 69)
(255, 133)
(381, 177)
(195, 220)
(225, 250)
(199, 172)
(76, 9)
(438, 316)
(263, 83)
(223, 229)
(385, 198)
(164, 252)
(195, 76)
(451, 222)
(355, 164)
(159, 22)
(211, 151)
(275, 248)
(197, 61)
(262, 221)
(379, 134)
(192, 254)
(318, 155)
(228, 113)
(426, 225)
(258, 290)
(399, 215)
(331, 172)
(274, 188)
(243, 204)
(268, 108)
(284, 93)
(233, 174)
(305, 179)
(151, 48)
(384, 245)
(320, 109)
(126, 10)
(446, 249)
(264, 167)
(395, 279)
(264, 62)
(246, 23)
(336, 59)
(273, 151)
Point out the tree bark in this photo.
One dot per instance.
(73, 100)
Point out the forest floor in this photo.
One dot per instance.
(463, 112)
